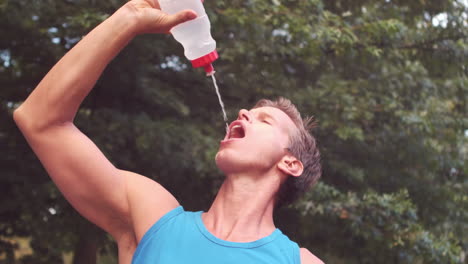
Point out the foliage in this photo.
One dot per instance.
(387, 81)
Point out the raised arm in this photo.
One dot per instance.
(107, 196)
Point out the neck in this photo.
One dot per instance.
(243, 209)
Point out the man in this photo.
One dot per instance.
(256, 156)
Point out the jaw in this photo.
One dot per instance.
(231, 160)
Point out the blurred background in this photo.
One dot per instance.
(386, 80)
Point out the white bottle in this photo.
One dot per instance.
(194, 35)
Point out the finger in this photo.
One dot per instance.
(156, 4)
(181, 17)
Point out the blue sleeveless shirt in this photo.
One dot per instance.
(180, 237)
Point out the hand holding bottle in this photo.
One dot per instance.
(150, 19)
(164, 16)
(195, 35)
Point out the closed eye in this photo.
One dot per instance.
(265, 118)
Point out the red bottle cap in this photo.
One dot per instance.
(208, 69)
(206, 60)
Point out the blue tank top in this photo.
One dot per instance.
(180, 237)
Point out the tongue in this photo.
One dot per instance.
(237, 133)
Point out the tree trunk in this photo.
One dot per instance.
(87, 246)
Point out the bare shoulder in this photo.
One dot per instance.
(148, 201)
(308, 258)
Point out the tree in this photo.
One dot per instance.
(387, 81)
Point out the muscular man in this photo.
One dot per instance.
(268, 158)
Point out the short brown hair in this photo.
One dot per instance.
(303, 146)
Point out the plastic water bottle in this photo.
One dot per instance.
(194, 35)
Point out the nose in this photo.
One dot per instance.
(244, 115)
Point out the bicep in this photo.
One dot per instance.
(87, 179)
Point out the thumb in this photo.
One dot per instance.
(181, 17)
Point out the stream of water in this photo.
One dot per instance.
(220, 102)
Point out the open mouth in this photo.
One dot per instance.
(236, 130)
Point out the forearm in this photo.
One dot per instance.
(58, 96)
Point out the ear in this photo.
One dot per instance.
(291, 166)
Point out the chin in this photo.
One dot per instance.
(230, 161)
(223, 161)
